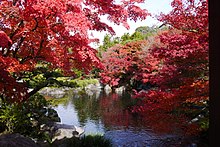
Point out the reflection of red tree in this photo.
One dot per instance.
(155, 110)
(113, 115)
(112, 112)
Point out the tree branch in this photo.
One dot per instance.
(40, 48)
(13, 33)
(18, 46)
(35, 27)
(44, 84)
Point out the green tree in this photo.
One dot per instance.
(141, 33)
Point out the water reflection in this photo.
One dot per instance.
(108, 114)
(96, 114)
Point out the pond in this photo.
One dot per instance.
(107, 114)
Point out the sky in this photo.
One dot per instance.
(153, 6)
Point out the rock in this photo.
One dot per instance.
(120, 90)
(54, 92)
(107, 89)
(79, 131)
(66, 131)
(77, 90)
(16, 140)
(93, 89)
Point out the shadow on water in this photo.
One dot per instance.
(107, 114)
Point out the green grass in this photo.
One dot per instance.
(76, 82)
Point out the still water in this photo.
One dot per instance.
(107, 114)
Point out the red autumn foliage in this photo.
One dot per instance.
(183, 77)
(55, 32)
(185, 57)
(124, 64)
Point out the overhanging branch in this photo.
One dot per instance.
(44, 84)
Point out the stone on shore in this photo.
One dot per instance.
(16, 140)
(67, 131)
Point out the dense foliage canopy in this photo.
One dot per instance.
(125, 65)
(55, 33)
(184, 53)
(176, 63)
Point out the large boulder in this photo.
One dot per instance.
(54, 92)
(93, 89)
(107, 89)
(120, 90)
(16, 140)
(66, 131)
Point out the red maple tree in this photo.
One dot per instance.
(126, 64)
(176, 62)
(183, 79)
(53, 32)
